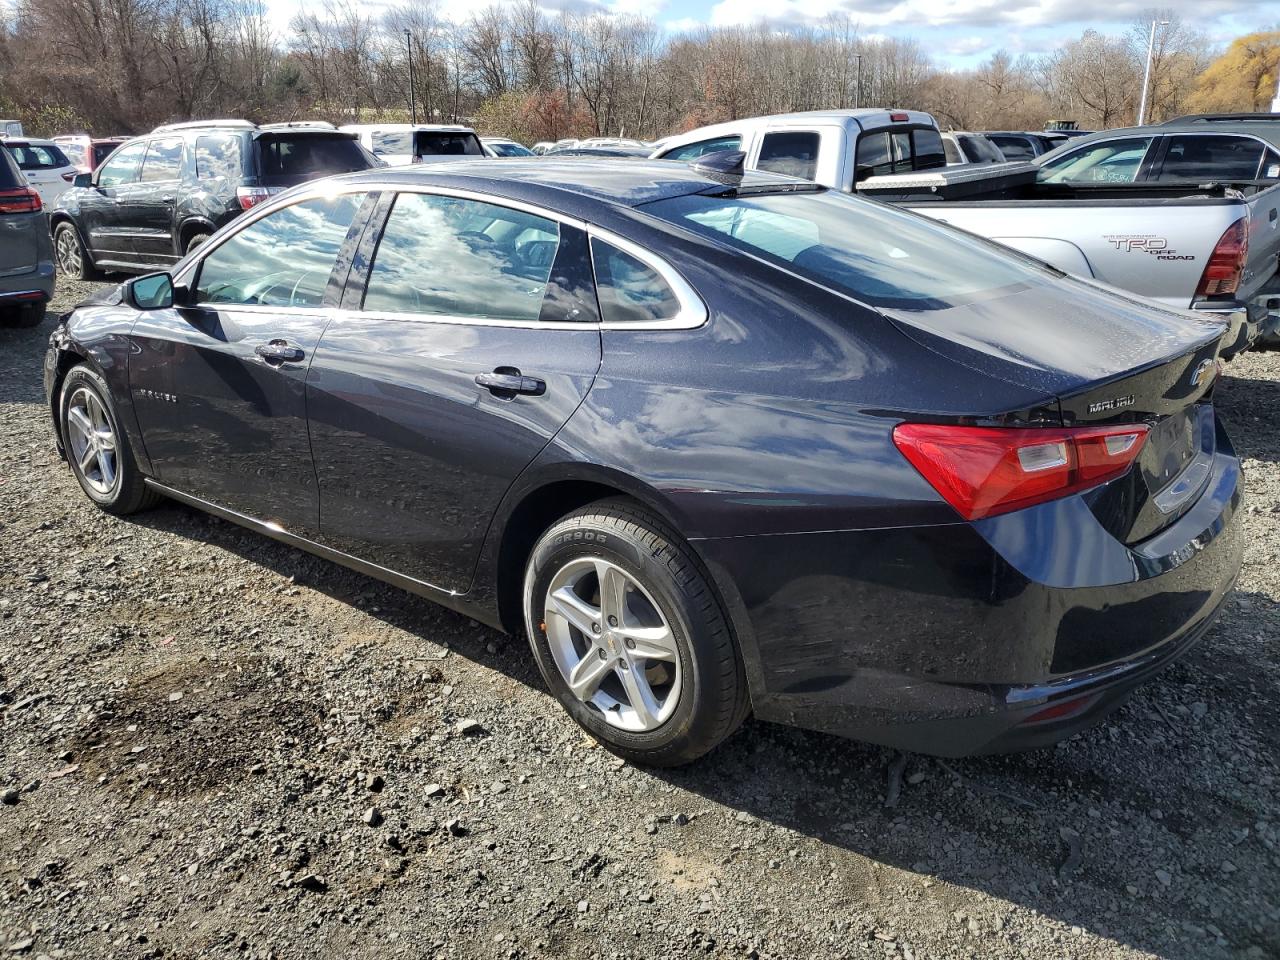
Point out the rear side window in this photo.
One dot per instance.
(11, 176)
(875, 155)
(31, 156)
(793, 152)
(1111, 161)
(1201, 158)
(445, 256)
(629, 290)
(123, 166)
(691, 151)
(282, 260)
(218, 157)
(163, 160)
(310, 156)
(952, 152)
(432, 144)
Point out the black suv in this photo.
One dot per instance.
(158, 196)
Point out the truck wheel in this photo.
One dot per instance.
(629, 636)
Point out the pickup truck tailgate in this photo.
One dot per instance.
(1264, 241)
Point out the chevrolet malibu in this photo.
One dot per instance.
(716, 443)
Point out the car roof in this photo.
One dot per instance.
(545, 181)
(1265, 130)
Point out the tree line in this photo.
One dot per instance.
(517, 69)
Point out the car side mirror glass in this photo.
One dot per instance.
(152, 292)
(83, 180)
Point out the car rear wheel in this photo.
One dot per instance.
(73, 261)
(196, 241)
(97, 449)
(629, 636)
(26, 315)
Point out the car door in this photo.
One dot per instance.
(146, 206)
(467, 338)
(99, 219)
(219, 386)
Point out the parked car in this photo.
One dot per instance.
(160, 196)
(87, 153)
(541, 147)
(10, 128)
(961, 147)
(45, 166)
(26, 258)
(397, 144)
(617, 151)
(502, 147)
(1186, 245)
(713, 446)
(1024, 145)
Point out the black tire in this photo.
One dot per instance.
(73, 261)
(196, 240)
(26, 315)
(127, 492)
(713, 700)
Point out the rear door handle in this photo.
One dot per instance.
(507, 382)
(276, 352)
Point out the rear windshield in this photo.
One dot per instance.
(980, 149)
(879, 255)
(310, 156)
(432, 144)
(31, 156)
(10, 176)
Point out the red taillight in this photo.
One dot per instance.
(1060, 711)
(1226, 264)
(250, 197)
(899, 117)
(983, 471)
(21, 200)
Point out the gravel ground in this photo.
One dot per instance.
(212, 745)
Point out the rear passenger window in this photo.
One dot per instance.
(218, 157)
(282, 260)
(444, 256)
(164, 160)
(691, 151)
(793, 152)
(630, 291)
(1202, 157)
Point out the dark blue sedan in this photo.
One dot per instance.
(717, 444)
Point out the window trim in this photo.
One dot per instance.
(691, 315)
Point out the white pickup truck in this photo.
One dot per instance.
(1202, 246)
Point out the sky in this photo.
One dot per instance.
(956, 33)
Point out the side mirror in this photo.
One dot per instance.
(83, 180)
(152, 292)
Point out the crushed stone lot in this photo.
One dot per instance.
(213, 745)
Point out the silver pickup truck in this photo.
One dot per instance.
(1199, 245)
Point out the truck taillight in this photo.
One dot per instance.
(1226, 264)
(984, 471)
(250, 197)
(21, 200)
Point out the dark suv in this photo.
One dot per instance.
(158, 196)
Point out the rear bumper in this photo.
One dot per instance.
(953, 640)
(1246, 323)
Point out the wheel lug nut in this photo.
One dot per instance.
(604, 654)
(613, 621)
(595, 628)
(631, 644)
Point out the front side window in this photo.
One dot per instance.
(218, 157)
(793, 152)
(163, 160)
(1112, 161)
(629, 290)
(445, 256)
(282, 260)
(31, 156)
(875, 253)
(123, 166)
(691, 151)
(1200, 158)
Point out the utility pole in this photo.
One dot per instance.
(413, 103)
(857, 94)
(1275, 104)
(1146, 76)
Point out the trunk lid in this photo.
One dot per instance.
(1106, 359)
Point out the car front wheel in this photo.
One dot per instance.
(97, 449)
(73, 262)
(629, 636)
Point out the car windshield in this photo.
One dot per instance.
(879, 255)
(38, 156)
(503, 149)
(301, 157)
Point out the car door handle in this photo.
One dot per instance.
(507, 382)
(166, 199)
(277, 352)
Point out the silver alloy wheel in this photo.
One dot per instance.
(92, 441)
(68, 252)
(612, 644)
